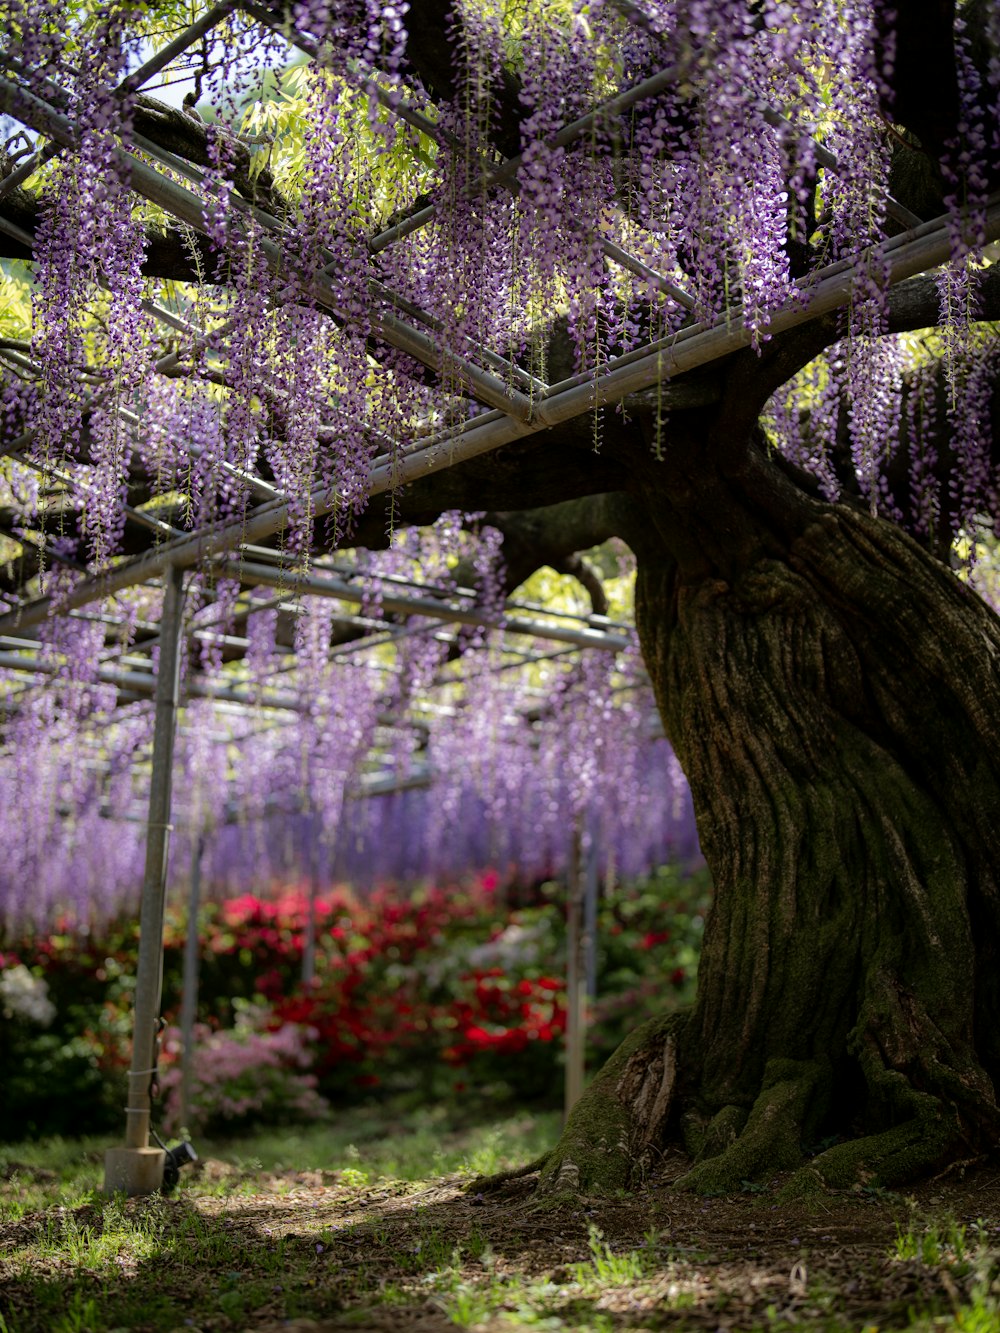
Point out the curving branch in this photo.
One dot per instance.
(749, 380)
(579, 568)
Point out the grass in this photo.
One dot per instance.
(81, 1263)
(363, 1146)
(350, 1223)
(936, 1244)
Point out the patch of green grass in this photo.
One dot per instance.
(607, 1269)
(80, 1316)
(935, 1244)
(82, 1263)
(76, 1262)
(468, 1304)
(963, 1253)
(981, 1314)
(544, 1303)
(386, 1142)
(427, 1252)
(383, 1142)
(53, 1172)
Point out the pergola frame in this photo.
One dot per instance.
(922, 246)
(518, 405)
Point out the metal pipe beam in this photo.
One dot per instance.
(187, 208)
(829, 289)
(315, 586)
(143, 683)
(162, 58)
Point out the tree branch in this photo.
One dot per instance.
(923, 79)
(750, 380)
(589, 579)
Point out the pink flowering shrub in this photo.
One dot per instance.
(423, 994)
(240, 1076)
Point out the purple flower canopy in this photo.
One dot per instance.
(371, 767)
(319, 283)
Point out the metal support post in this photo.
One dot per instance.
(189, 985)
(591, 893)
(137, 1168)
(576, 991)
(309, 934)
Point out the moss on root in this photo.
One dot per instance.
(709, 1139)
(919, 1143)
(771, 1139)
(618, 1124)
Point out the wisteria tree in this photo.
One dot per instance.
(803, 505)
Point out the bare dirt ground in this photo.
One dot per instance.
(311, 1253)
(733, 1263)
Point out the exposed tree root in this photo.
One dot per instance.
(772, 1137)
(489, 1184)
(893, 1157)
(621, 1124)
(927, 1132)
(780, 1120)
(618, 1125)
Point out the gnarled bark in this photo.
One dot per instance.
(616, 1129)
(833, 695)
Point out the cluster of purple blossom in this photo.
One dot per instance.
(311, 359)
(523, 747)
(866, 416)
(713, 192)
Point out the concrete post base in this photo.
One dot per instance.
(133, 1171)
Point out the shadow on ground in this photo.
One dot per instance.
(314, 1251)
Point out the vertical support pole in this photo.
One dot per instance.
(576, 991)
(137, 1168)
(493, 861)
(189, 988)
(591, 888)
(309, 934)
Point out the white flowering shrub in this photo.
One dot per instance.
(25, 996)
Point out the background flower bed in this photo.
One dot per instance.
(442, 991)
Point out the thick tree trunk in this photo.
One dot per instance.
(834, 697)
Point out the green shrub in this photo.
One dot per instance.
(426, 993)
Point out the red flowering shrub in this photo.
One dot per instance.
(396, 1001)
(424, 993)
(495, 1018)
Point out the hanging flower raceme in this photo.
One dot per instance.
(974, 479)
(966, 159)
(66, 784)
(920, 426)
(803, 419)
(89, 325)
(566, 194)
(73, 647)
(855, 192)
(201, 769)
(882, 396)
(262, 639)
(873, 384)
